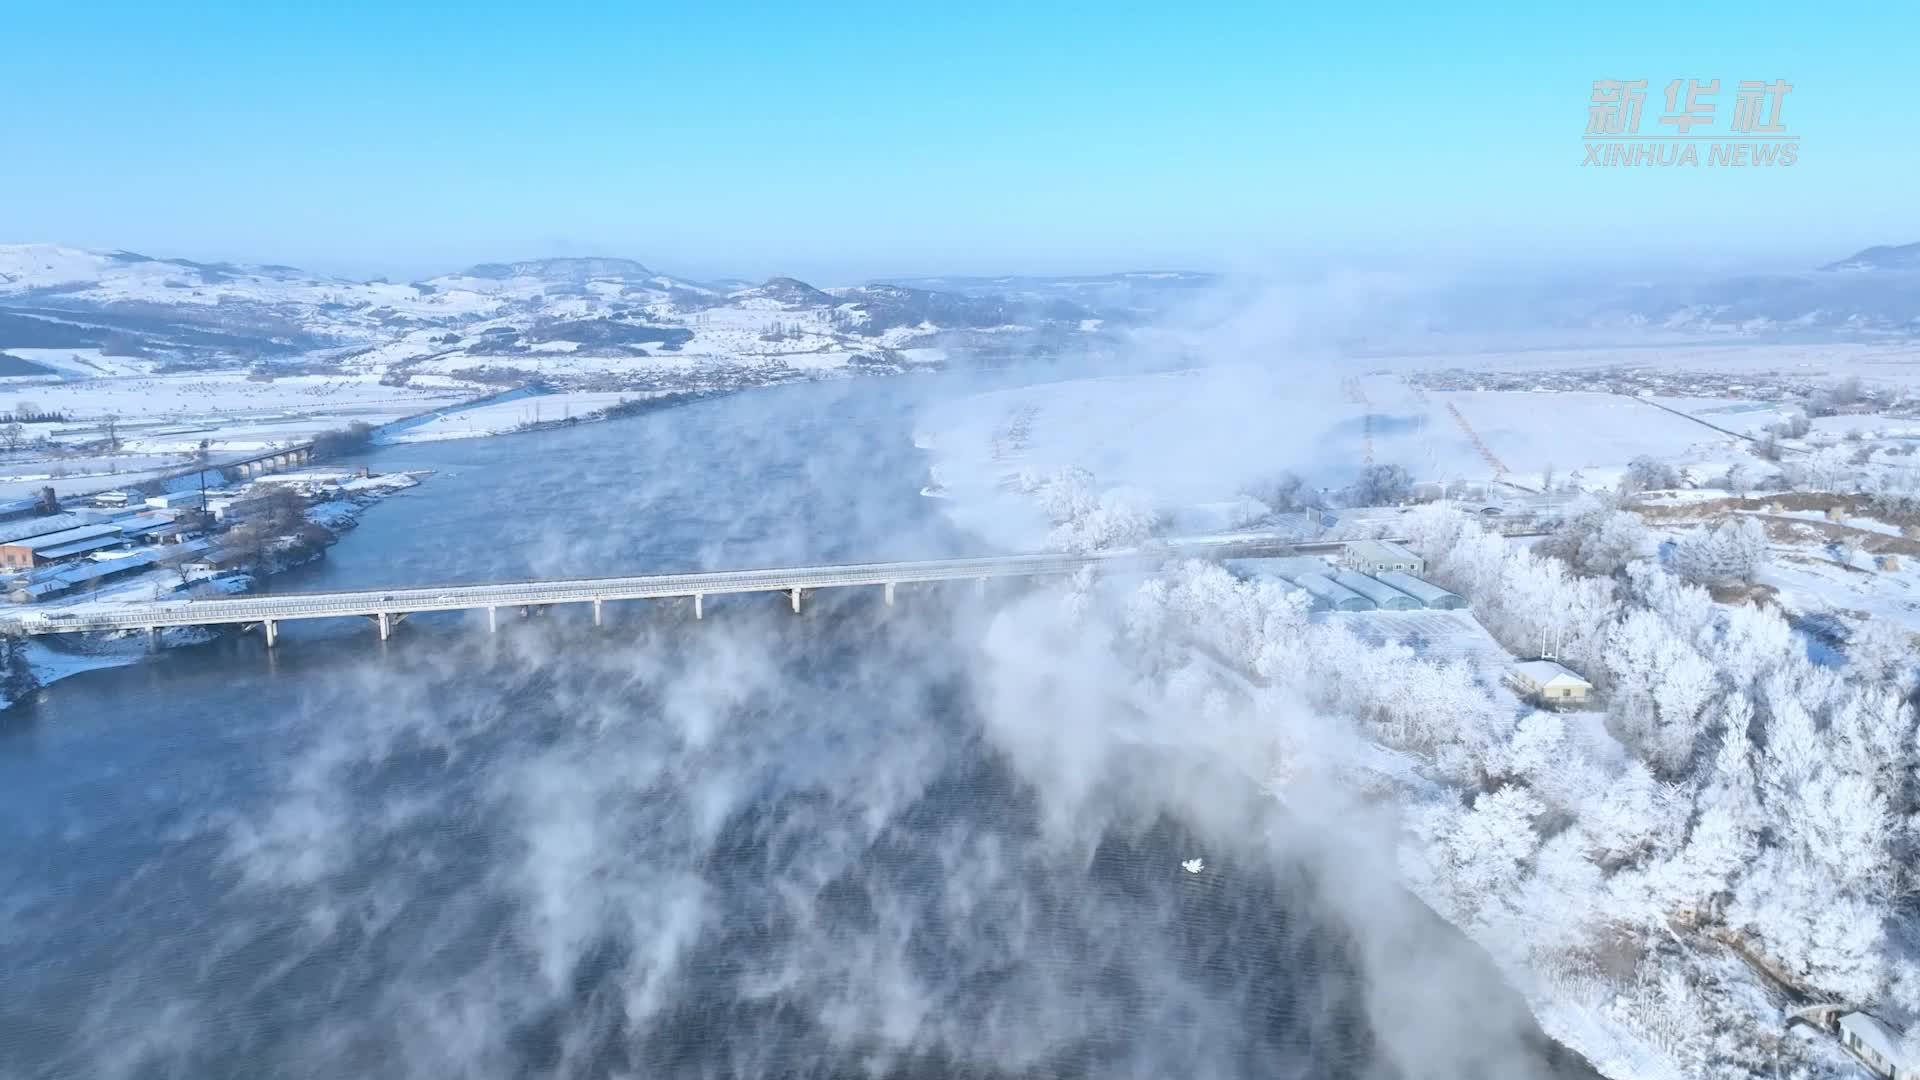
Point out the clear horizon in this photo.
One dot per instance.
(851, 144)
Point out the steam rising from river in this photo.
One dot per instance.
(934, 841)
(943, 839)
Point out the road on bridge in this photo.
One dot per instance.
(387, 604)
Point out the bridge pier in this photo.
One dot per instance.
(980, 586)
(796, 600)
(889, 594)
(153, 639)
(493, 620)
(386, 626)
(596, 611)
(272, 630)
(696, 605)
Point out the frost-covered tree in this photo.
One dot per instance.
(1489, 845)
(1380, 485)
(1646, 473)
(1118, 518)
(1811, 924)
(1086, 519)
(1730, 552)
(1279, 492)
(1597, 539)
(1794, 425)
(1632, 817)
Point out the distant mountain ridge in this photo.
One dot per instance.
(1885, 257)
(596, 321)
(572, 269)
(599, 319)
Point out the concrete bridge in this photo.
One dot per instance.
(270, 462)
(386, 607)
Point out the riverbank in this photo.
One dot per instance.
(333, 501)
(568, 823)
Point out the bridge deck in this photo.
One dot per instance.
(375, 602)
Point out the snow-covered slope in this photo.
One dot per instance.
(591, 324)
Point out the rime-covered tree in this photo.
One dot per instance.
(1730, 552)
(1380, 485)
(1598, 540)
(1646, 473)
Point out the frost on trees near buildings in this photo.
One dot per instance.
(1768, 795)
(1730, 552)
(1597, 539)
(1085, 519)
(1731, 787)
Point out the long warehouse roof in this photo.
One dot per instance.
(64, 537)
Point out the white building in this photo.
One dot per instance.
(1876, 1044)
(1379, 557)
(174, 500)
(1551, 681)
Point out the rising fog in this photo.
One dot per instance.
(941, 839)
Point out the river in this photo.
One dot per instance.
(757, 845)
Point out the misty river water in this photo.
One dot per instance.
(756, 845)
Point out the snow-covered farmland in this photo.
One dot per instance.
(1200, 436)
(162, 421)
(226, 396)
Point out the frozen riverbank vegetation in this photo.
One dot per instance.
(1720, 834)
(1666, 877)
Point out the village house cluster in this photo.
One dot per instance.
(171, 539)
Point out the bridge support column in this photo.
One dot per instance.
(272, 630)
(493, 620)
(980, 586)
(796, 600)
(889, 594)
(386, 626)
(697, 598)
(596, 611)
(153, 639)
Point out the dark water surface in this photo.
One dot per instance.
(757, 845)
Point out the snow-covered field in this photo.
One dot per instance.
(224, 395)
(162, 421)
(1894, 362)
(1200, 436)
(1814, 581)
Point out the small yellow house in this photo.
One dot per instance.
(1551, 682)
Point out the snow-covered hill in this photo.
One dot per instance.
(587, 324)
(1884, 257)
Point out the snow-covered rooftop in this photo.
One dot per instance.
(1545, 672)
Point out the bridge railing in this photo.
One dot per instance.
(396, 601)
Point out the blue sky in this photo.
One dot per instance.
(842, 140)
